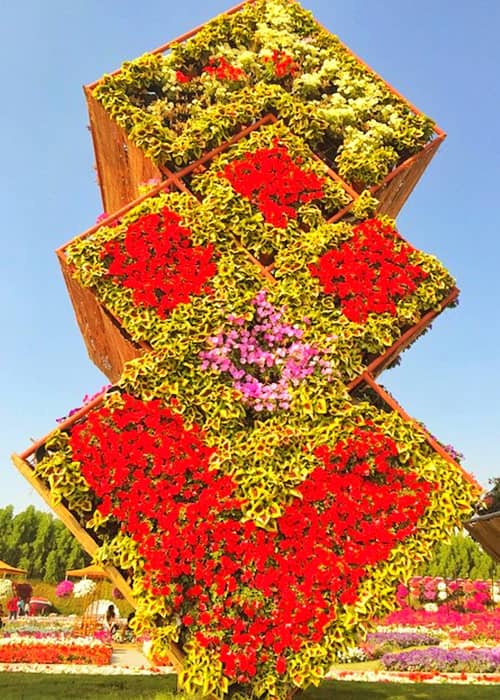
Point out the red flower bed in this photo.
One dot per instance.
(463, 625)
(370, 272)
(272, 181)
(55, 651)
(158, 262)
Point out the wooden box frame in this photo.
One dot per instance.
(122, 167)
(485, 529)
(25, 463)
(110, 346)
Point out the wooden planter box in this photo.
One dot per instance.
(122, 166)
(485, 529)
(26, 462)
(110, 346)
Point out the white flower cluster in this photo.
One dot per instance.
(84, 587)
(431, 607)
(5, 588)
(351, 655)
(442, 591)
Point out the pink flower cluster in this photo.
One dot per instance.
(265, 357)
(464, 595)
(64, 588)
(86, 399)
(461, 625)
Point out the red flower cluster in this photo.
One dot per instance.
(370, 272)
(134, 458)
(30, 650)
(272, 181)
(250, 594)
(283, 64)
(219, 67)
(182, 77)
(158, 262)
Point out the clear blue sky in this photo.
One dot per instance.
(443, 55)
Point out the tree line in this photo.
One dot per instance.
(38, 542)
(462, 557)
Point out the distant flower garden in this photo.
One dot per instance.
(53, 650)
(473, 660)
(463, 595)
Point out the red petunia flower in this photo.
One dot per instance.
(274, 182)
(158, 262)
(370, 272)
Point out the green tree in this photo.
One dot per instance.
(36, 541)
(6, 516)
(21, 538)
(69, 553)
(43, 545)
(461, 557)
(52, 568)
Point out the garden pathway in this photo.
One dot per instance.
(131, 656)
(128, 655)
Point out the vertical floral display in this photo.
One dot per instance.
(261, 510)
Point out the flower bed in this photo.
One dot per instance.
(415, 677)
(53, 650)
(379, 643)
(462, 595)
(41, 626)
(473, 660)
(461, 626)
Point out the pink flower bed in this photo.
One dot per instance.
(463, 626)
(462, 595)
